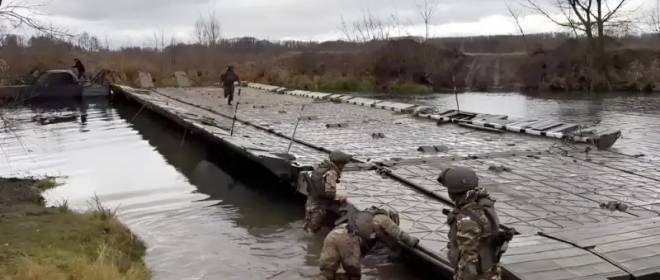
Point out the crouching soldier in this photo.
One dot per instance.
(354, 236)
(476, 242)
(322, 199)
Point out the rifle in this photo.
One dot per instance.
(295, 129)
(501, 238)
(233, 122)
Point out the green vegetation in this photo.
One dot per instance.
(46, 184)
(345, 85)
(411, 88)
(37, 242)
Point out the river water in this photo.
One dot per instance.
(201, 221)
(198, 220)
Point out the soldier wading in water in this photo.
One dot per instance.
(322, 200)
(476, 242)
(352, 238)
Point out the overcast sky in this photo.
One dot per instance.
(133, 22)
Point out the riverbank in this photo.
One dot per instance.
(536, 63)
(39, 242)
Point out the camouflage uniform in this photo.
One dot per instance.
(476, 242)
(346, 242)
(316, 208)
(470, 250)
(341, 247)
(386, 228)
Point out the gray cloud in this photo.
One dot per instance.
(131, 20)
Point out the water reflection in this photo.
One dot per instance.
(205, 217)
(199, 221)
(272, 218)
(635, 115)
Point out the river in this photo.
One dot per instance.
(199, 218)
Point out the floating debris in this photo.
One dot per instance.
(614, 206)
(378, 135)
(55, 119)
(336, 125)
(309, 118)
(433, 149)
(499, 168)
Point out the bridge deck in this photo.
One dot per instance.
(549, 191)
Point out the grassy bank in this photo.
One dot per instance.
(38, 242)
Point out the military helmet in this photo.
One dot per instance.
(364, 225)
(458, 179)
(340, 157)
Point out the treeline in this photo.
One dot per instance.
(408, 64)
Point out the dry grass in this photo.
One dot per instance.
(339, 66)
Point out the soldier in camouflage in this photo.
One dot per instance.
(354, 236)
(322, 191)
(476, 242)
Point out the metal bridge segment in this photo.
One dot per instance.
(543, 189)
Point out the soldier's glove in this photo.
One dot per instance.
(409, 240)
(504, 236)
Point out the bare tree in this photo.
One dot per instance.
(19, 13)
(515, 15)
(207, 30)
(427, 10)
(370, 28)
(589, 17)
(653, 18)
(159, 39)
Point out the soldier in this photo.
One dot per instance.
(322, 191)
(476, 242)
(228, 79)
(80, 68)
(355, 235)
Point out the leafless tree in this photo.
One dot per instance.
(593, 18)
(19, 13)
(370, 28)
(653, 18)
(427, 9)
(515, 15)
(207, 30)
(159, 39)
(88, 42)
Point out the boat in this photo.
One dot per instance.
(65, 84)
